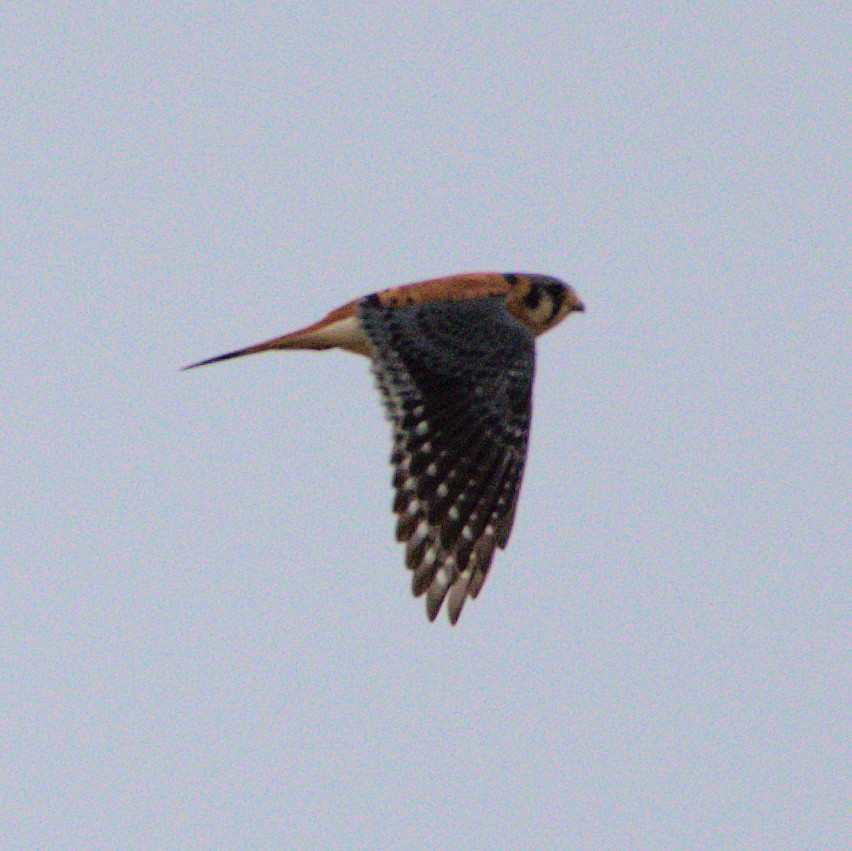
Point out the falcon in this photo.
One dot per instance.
(454, 360)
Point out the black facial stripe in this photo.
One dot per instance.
(557, 297)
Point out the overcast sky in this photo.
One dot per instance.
(207, 635)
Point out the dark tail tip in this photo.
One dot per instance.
(227, 356)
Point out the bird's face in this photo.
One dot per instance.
(541, 302)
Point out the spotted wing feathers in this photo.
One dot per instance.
(456, 378)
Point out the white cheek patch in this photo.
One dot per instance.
(540, 317)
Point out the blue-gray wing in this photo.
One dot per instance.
(456, 378)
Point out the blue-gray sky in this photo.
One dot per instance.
(208, 638)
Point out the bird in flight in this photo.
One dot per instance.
(454, 360)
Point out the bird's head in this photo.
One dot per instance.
(540, 301)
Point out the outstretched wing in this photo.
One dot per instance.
(456, 379)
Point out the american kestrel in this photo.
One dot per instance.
(454, 360)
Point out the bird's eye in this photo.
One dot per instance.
(533, 298)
